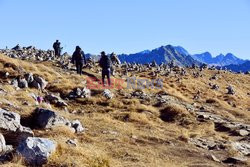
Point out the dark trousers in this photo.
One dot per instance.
(57, 52)
(106, 72)
(79, 68)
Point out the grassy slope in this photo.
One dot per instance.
(142, 140)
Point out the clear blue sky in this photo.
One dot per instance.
(128, 26)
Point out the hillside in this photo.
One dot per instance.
(191, 121)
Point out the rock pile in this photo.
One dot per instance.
(28, 53)
(29, 80)
(80, 93)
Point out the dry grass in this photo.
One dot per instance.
(135, 134)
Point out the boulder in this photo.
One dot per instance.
(46, 119)
(36, 151)
(11, 127)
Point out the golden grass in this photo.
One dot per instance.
(143, 139)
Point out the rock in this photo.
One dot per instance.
(36, 151)
(22, 83)
(14, 83)
(2, 144)
(243, 148)
(53, 99)
(207, 144)
(230, 90)
(11, 127)
(39, 83)
(106, 93)
(215, 158)
(76, 124)
(86, 93)
(29, 78)
(235, 160)
(72, 142)
(243, 132)
(46, 119)
(80, 93)
(215, 87)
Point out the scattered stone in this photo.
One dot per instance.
(242, 132)
(76, 124)
(230, 90)
(53, 99)
(208, 144)
(22, 83)
(72, 142)
(36, 151)
(215, 87)
(214, 158)
(80, 93)
(39, 83)
(108, 94)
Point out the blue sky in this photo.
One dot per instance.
(128, 26)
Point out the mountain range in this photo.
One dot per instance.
(220, 60)
(163, 54)
(182, 57)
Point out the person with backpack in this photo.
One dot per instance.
(57, 48)
(78, 59)
(105, 63)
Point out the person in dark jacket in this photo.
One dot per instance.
(57, 48)
(78, 59)
(105, 63)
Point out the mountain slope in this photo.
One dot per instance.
(239, 67)
(163, 54)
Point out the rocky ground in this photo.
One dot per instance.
(49, 116)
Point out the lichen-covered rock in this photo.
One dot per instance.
(36, 151)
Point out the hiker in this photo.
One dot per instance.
(105, 63)
(78, 59)
(57, 48)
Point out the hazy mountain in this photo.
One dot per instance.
(163, 54)
(239, 67)
(220, 60)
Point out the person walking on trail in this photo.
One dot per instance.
(78, 59)
(57, 48)
(105, 63)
